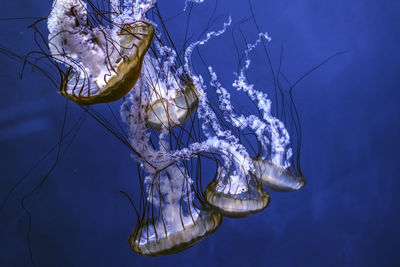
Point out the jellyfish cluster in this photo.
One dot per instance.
(177, 134)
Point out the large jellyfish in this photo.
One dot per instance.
(179, 136)
(103, 63)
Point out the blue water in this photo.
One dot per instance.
(346, 215)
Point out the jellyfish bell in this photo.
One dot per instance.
(277, 178)
(171, 95)
(175, 230)
(178, 223)
(236, 196)
(103, 63)
(172, 112)
(157, 238)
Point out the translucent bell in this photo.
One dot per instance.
(135, 40)
(158, 237)
(236, 198)
(277, 178)
(168, 114)
(103, 62)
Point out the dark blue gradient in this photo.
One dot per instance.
(346, 215)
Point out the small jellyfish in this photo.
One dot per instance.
(277, 178)
(103, 62)
(171, 100)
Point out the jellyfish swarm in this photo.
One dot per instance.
(174, 130)
(176, 216)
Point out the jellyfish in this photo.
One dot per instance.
(174, 129)
(103, 63)
(272, 164)
(172, 221)
(170, 99)
(270, 167)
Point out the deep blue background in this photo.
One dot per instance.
(348, 213)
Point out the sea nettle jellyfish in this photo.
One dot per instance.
(179, 136)
(103, 62)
